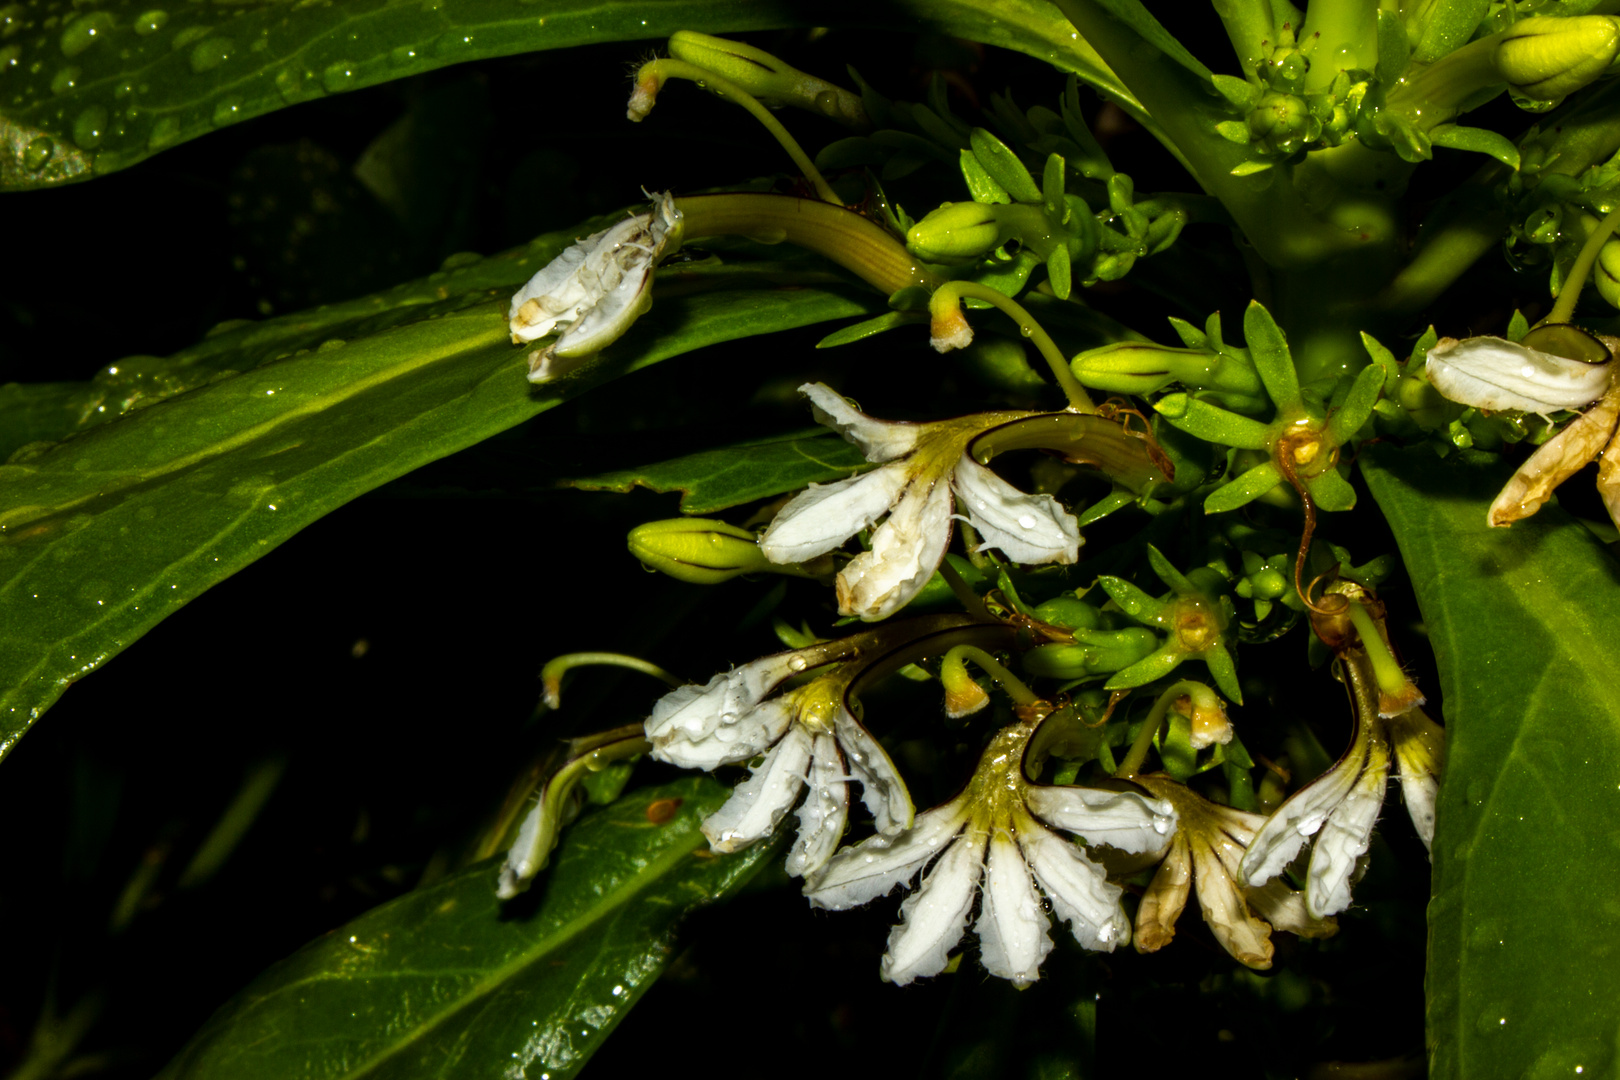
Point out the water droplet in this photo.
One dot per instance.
(65, 80)
(338, 76)
(188, 35)
(1492, 1018)
(11, 20)
(90, 127)
(1027, 521)
(209, 54)
(9, 57)
(38, 152)
(797, 663)
(227, 110)
(85, 31)
(404, 56)
(290, 82)
(453, 43)
(150, 22)
(164, 132)
(123, 90)
(1027, 331)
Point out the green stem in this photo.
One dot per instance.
(860, 245)
(972, 601)
(660, 70)
(1570, 294)
(1346, 37)
(1020, 694)
(1137, 755)
(1249, 25)
(551, 675)
(950, 293)
(1386, 670)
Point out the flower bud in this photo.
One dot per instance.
(698, 550)
(1546, 58)
(1141, 367)
(947, 327)
(1069, 613)
(955, 232)
(963, 695)
(1095, 652)
(1606, 272)
(1491, 373)
(773, 82)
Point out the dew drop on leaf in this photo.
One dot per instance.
(227, 110)
(90, 127)
(9, 57)
(11, 20)
(338, 76)
(150, 22)
(403, 56)
(85, 31)
(164, 132)
(65, 80)
(38, 152)
(211, 53)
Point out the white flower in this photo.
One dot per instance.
(595, 289)
(808, 737)
(1492, 373)
(922, 465)
(1209, 844)
(1341, 806)
(996, 838)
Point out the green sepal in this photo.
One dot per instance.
(1384, 360)
(1330, 491)
(1169, 574)
(1233, 131)
(1190, 335)
(1268, 349)
(981, 185)
(1057, 271)
(1004, 167)
(1249, 168)
(1053, 191)
(1155, 666)
(1117, 499)
(1212, 424)
(1219, 661)
(1131, 600)
(1243, 490)
(1240, 92)
(1477, 140)
(1357, 406)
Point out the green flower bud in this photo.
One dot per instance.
(770, 80)
(698, 550)
(1606, 272)
(955, 232)
(1546, 58)
(1139, 367)
(1095, 652)
(1070, 613)
(1283, 123)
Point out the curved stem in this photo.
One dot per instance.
(952, 292)
(1020, 694)
(1570, 294)
(659, 70)
(551, 675)
(1150, 727)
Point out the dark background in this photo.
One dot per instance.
(386, 658)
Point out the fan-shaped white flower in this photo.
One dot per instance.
(922, 464)
(808, 738)
(595, 289)
(1341, 806)
(998, 838)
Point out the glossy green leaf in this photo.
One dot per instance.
(1443, 26)
(1134, 13)
(104, 85)
(448, 982)
(1478, 140)
(1213, 424)
(1004, 167)
(982, 187)
(105, 534)
(860, 331)
(1244, 489)
(715, 479)
(1268, 348)
(1523, 925)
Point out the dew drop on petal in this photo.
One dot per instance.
(797, 663)
(1027, 521)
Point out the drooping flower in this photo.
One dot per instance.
(595, 289)
(922, 466)
(1208, 850)
(808, 737)
(998, 839)
(1340, 807)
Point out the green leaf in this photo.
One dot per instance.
(1205, 421)
(83, 103)
(1478, 140)
(1522, 923)
(860, 331)
(1053, 189)
(715, 479)
(104, 535)
(448, 982)
(1331, 492)
(1240, 92)
(981, 185)
(1003, 165)
(1357, 406)
(1136, 16)
(1443, 26)
(1245, 489)
(1057, 270)
(1394, 50)
(1269, 351)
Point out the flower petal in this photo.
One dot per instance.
(1120, 819)
(1226, 912)
(879, 440)
(1298, 819)
(1025, 528)
(743, 736)
(759, 802)
(824, 811)
(1491, 373)
(1346, 835)
(823, 516)
(1165, 898)
(933, 918)
(1555, 461)
(882, 790)
(1284, 909)
(1012, 928)
(1080, 894)
(906, 550)
(877, 864)
(693, 712)
(1420, 752)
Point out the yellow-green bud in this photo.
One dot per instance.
(698, 550)
(1545, 58)
(770, 80)
(954, 232)
(1606, 272)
